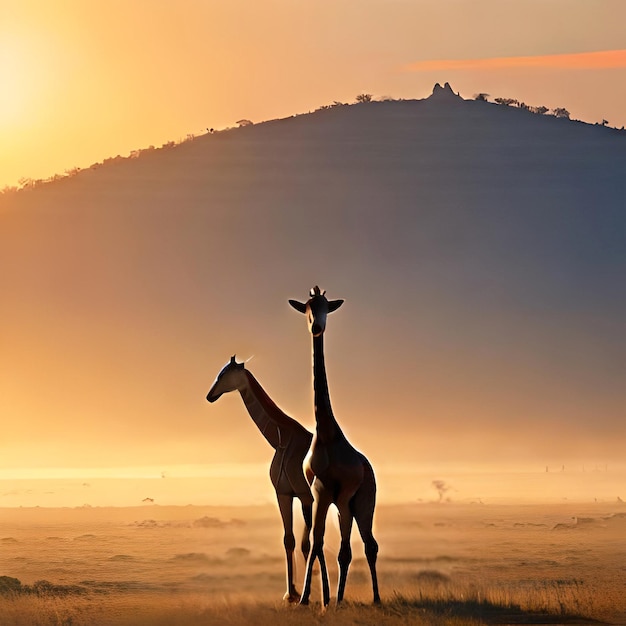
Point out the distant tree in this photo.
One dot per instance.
(506, 101)
(482, 97)
(541, 110)
(364, 97)
(560, 112)
(26, 182)
(441, 488)
(242, 123)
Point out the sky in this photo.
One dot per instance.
(83, 81)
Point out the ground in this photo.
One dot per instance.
(439, 563)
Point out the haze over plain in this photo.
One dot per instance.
(479, 249)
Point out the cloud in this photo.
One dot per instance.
(607, 59)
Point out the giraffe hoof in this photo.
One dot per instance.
(291, 597)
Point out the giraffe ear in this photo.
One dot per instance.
(298, 306)
(333, 305)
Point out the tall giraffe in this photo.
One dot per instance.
(343, 476)
(291, 441)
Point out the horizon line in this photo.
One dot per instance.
(215, 470)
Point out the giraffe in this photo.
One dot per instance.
(291, 441)
(343, 476)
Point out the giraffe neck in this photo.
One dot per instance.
(326, 426)
(274, 425)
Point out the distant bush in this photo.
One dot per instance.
(10, 585)
(13, 586)
(560, 112)
(364, 97)
(539, 110)
(506, 101)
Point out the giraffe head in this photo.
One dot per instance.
(229, 379)
(316, 309)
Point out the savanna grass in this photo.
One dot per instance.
(453, 605)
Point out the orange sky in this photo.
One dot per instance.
(606, 59)
(84, 81)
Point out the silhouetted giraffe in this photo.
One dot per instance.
(343, 476)
(291, 442)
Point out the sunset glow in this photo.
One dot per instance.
(470, 295)
(609, 59)
(80, 83)
(19, 82)
(300, 299)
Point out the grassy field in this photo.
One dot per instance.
(552, 605)
(444, 564)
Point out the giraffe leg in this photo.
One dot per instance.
(307, 514)
(285, 504)
(345, 551)
(371, 553)
(320, 509)
(300, 484)
(363, 506)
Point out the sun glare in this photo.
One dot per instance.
(15, 82)
(29, 68)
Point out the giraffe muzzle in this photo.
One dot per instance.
(316, 330)
(213, 397)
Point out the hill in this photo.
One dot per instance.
(480, 250)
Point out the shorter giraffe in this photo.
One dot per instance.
(291, 441)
